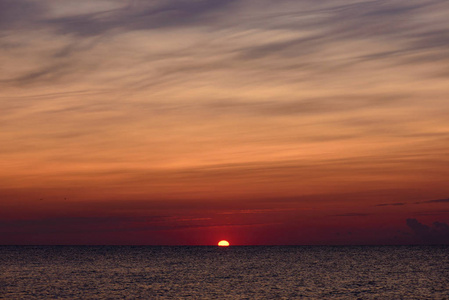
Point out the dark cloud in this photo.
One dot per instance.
(418, 228)
(438, 233)
(418, 202)
(433, 201)
(436, 201)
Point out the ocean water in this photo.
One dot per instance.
(262, 272)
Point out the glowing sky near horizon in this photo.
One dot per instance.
(262, 122)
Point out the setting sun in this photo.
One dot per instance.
(223, 243)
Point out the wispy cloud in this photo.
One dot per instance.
(435, 201)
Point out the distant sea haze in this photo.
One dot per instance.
(235, 272)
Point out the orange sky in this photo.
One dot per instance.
(259, 122)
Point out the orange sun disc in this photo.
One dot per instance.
(223, 243)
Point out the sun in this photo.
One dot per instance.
(223, 243)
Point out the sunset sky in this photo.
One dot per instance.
(172, 122)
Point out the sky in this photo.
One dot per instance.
(171, 122)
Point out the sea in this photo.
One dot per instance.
(236, 272)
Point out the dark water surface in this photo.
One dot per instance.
(88, 272)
